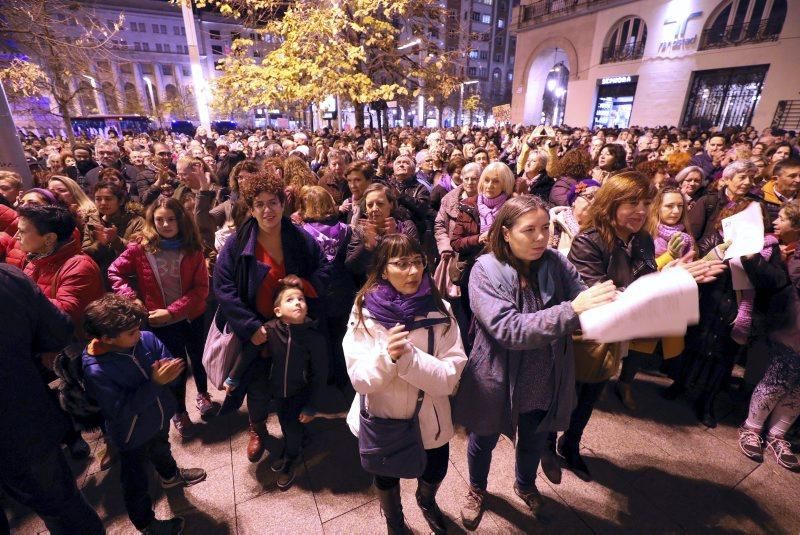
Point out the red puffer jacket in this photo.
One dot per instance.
(134, 260)
(69, 278)
(8, 220)
(7, 244)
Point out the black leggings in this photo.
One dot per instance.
(181, 339)
(435, 469)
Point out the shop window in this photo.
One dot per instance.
(787, 115)
(724, 97)
(740, 22)
(614, 103)
(626, 41)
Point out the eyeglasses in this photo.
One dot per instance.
(164, 153)
(405, 265)
(588, 196)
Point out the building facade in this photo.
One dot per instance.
(709, 63)
(490, 64)
(149, 72)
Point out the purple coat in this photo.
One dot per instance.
(484, 401)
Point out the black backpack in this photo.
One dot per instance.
(71, 390)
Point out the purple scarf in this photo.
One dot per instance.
(389, 307)
(446, 182)
(488, 209)
(744, 316)
(328, 235)
(665, 233)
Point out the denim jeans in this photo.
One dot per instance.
(181, 339)
(530, 444)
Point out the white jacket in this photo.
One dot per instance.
(391, 388)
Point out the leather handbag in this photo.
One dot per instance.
(441, 278)
(595, 362)
(220, 352)
(392, 447)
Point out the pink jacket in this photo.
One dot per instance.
(134, 260)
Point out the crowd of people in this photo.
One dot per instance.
(434, 277)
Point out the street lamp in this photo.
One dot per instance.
(461, 101)
(93, 83)
(198, 80)
(149, 83)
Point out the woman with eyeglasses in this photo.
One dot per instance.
(519, 380)
(404, 356)
(565, 221)
(265, 249)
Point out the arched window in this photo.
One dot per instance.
(132, 102)
(625, 41)
(110, 97)
(739, 22)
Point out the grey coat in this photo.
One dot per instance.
(484, 402)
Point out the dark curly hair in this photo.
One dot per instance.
(576, 163)
(262, 183)
(112, 315)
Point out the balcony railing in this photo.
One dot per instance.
(549, 10)
(740, 34)
(629, 52)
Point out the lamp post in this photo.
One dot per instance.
(149, 83)
(93, 83)
(198, 80)
(461, 101)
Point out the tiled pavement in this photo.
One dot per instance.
(655, 471)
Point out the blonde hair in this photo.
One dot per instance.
(502, 171)
(81, 199)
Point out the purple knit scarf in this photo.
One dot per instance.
(446, 182)
(488, 209)
(665, 233)
(744, 317)
(389, 307)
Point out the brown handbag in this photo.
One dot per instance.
(595, 362)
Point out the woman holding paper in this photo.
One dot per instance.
(519, 378)
(727, 321)
(616, 246)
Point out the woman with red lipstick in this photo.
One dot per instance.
(265, 249)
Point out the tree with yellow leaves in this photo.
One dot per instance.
(361, 50)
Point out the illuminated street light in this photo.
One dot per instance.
(551, 84)
(461, 101)
(415, 42)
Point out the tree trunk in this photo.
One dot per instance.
(359, 109)
(66, 116)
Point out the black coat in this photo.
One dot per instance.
(30, 421)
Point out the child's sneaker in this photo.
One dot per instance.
(206, 407)
(286, 475)
(185, 477)
(783, 453)
(751, 444)
(173, 526)
(183, 425)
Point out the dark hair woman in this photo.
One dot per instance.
(266, 248)
(571, 168)
(379, 218)
(119, 222)
(520, 375)
(610, 160)
(402, 346)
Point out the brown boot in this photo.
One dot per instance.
(258, 436)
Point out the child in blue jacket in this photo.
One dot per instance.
(127, 371)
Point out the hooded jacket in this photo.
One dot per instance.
(134, 407)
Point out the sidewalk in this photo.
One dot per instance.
(655, 471)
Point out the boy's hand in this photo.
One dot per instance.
(167, 370)
(259, 337)
(305, 417)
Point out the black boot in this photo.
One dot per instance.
(392, 509)
(550, 463)
(426, 499)
(704, 408)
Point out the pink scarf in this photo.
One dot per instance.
(488, 209)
